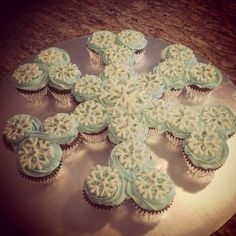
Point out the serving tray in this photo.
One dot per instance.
(200, 207)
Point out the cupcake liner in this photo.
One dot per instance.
(196, 94)
(173, 140)
(153, 135)
(172, 94)
(95, 138)
(42, 180)
(7, 144)
(138, 56)
(62, 98)
(95, 58)
(39, 96)
(70, 148)
(74, 101)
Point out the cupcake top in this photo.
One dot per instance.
(180, 52)
(19, 127)
(206, 148)
(92, 117)
(181, 121)
(129, 158)
(118, 54)
(173, 73)
(38, 157)
(151, 84)
(220, 118)
(62, 128)
(152, 190)
(204, 75)
(30, 76)
(132, 39)
(118, 71)
(104, 186)
(101, 40)
(87, 87)
(125, 128)
(53, 57)
(64, 77)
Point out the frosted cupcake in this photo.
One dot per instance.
(125, 128)
(179, 52)
(38, 160)
(118, 54)
(152, 191)
(173, 73)
(88, 87)
(130, 158)
(18, 128)
(180, 122)
(134, 40)
(53, 57)
(219, 117)
(118, 71)
(203, 78)
(205, 151)
(104, 188)
(61, 81)
(93, 120)
(97, 43)
(30, 81)
(62, 129)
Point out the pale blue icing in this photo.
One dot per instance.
(30, 77)
(64, 77)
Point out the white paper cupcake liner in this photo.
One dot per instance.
(153, 135)
(63, 99)
(95, 138)
(173, 140)
(196, 95)
(172, 94)
(95, 58)
(139, 56)
(35, 97)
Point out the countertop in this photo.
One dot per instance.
(205, 26)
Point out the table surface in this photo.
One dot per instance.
(205, 27)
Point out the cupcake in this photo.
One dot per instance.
(205, 151)
(203, 78)
(152, 192)
(86, 88)
(125, 128)
(53, 57)
(18, 128)
(30, 81)
(178, 52)
(104, 188)
(129, 158)
(118, 54)
(61, 81)
(97, 43)
(180, 122)
(118, 71)
(173, 73)
(134, 40)
(38, 160)
(92, 120)
(62, 129)
(220, 118)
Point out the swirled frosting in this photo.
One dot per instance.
(19, 127)
(129, 158)
(180, 52)
(101, 40)
(204, 75)
(64, 77)
(152, 190)
(104, 186)
(118, 71)
(86, 88)
(30, 76)
(220, 118)
(92, 117)
(118, 54)
(53, 57)
(38, 157)
(125, 127)
(173, 72)
(61, 128)
(132, 39)
(206, 148)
